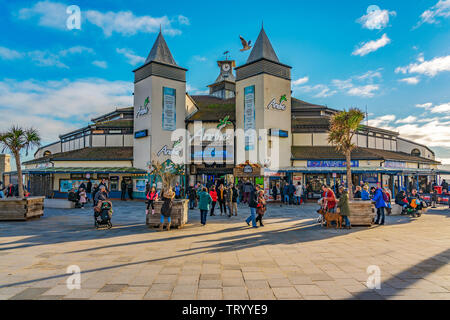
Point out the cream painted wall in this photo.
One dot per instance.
(146, 149)
(320, 139)
(267, 88)
(114, 140)
(302, 139)
(98, 140)
(128, 140)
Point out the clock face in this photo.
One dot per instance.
(226, 67)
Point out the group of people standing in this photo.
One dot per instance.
(330, 203)
(11, 191)
(289, 193)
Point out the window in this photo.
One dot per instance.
(415, 152)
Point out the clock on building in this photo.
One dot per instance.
(226, 67)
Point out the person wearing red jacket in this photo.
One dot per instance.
(152, 196)
(213, 195)
(329, 198)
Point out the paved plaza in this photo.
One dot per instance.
(292, 257)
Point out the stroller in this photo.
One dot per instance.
(414, 208)
(102, 215)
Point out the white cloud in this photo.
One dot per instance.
(375, 18)
(300, 81)
(432, 16)
(411, 80)
(55, 107)
(319, 90)
(54, 15)
(51, 14)
(424, 105)
(409, 119)
(371, 46)
(370, 75)
(133, 59)
(429, 68)
(9, 54)
(100, 64)
(367, 91)
(200, 58)
(76, 50)
(46, 59)
(382, 122)
(183, 20)
(443, 108)
(126, 23)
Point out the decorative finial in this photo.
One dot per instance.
(160, 28)
(262, 24)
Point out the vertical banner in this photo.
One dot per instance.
(169, 113)
(249, 117)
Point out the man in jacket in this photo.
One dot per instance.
(234, 200)
(380, 204)
(291, 191)
(130, 189)
(253, 203)
(221, 194)
(123, 188)
(10, 191)
(192, 196)
(298, 193)
(228, 199)
(344, 207)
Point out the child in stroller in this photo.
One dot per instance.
(102, 214)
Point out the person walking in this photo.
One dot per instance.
(221, 198)
(228, 196)
(344, 207)
(152, 196)
(130, 189)
(286, 193)
(298, 193)
(274, 192)
(83, 197)
(234, 200)
(260, 208)
(105, 184)
(192, 196)
(253, 203)
(100, 195)
(89, 190)
(380, 204)
(204, 204)
(95, 190)
(123, 189)
(247, 188)
(166, 209)
(291, 191)
(329, 198)
(213, 194)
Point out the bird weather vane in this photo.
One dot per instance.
(245, 45)
(227, 54)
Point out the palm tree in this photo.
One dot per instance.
(343, 126)
(15, 140)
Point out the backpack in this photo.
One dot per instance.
(385, 196)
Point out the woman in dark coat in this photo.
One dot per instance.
(166, 209)
(344, 207)
(260, 208)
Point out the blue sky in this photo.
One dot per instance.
(391, 56)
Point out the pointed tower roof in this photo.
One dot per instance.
(160, 52)
(262, 49)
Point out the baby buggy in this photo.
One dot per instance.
(102, 215)
(414, 208)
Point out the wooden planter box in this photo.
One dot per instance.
(179, 214)
(15, 209)
(362, 213)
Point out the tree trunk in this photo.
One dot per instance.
(19, 174)
(348, 161)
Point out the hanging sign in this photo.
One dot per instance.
(249, 117)
(169, 116)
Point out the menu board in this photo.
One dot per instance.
(249, 117)
(169, 116)
(67, 185)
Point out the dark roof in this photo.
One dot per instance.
(262, 49)
(160, 52)
(85, 170)
(330, 153)
(89, 154)
(118, 123)
(211, 108)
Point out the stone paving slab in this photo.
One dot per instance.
(292, 257)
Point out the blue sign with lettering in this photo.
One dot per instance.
(331, 163)
(141, 134)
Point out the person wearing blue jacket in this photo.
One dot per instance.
(380, 204)
(365, 195)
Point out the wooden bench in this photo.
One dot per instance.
(15, 209)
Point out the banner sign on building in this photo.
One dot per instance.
(394, 164)
(278, 133)
(169, 116)
(331, 163)
(249, 117)
(141, 134)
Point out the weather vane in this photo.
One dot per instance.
(227, 54)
